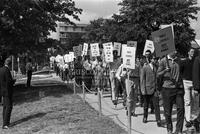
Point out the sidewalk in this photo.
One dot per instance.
(118, 114)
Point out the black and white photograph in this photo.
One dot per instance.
(99, 66)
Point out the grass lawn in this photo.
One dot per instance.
(57, 112)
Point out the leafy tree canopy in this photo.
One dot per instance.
(139, 18)
(22, 22)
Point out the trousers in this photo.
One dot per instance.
(171, 96)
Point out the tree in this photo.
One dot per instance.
(142, 17)
(139, 18)
(22, 22)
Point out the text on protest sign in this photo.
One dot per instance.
(117, 46)
(108, 52)
(85, 49)
(148, 46)
(71, 55)
(132, 44)
(163, 41)
(129, 57)
(94, 49)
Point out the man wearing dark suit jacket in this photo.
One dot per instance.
(6, 85)
(148, 89)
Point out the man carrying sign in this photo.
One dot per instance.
(172, 90)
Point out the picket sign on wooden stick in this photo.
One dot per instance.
(83, 87)
(99, 100)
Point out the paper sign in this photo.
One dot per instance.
(77, 50)
(85, 49)
(95, 49)
(52, 58)
(108, 52)
(163, 41)
(67, 58)
(132, 43)
(148, 46)
(117, 46)
(129, 57)
(123, 50)
(71, 55)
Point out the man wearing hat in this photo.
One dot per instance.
(6, 85)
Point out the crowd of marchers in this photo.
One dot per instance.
(171, 79)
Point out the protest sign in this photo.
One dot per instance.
(52, 59)
(85, 49)
(108, 52)
(148, 46)
(123, 50)
(60, 59)
(77, 50)
(129, 57)
(71, 55)
(117, 46)
(163, 41)
(67, 58)
(132, 44)
(95, 49)
(164, 26)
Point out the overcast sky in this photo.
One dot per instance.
(93, 9)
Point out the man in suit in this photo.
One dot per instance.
(6, 85)
(148, 89)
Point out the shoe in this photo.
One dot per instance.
(169, 132)
(188, 124)
(196, 123)
(5, 127)
(159, 124)
(133, 114)
(144, 120)
(178, 132)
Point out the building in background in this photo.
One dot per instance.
(65, 31)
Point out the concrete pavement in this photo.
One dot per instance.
(118, 115)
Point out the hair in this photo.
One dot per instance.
(148, 51)
(8, 61)
(115, 52)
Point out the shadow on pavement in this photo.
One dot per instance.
(38, 115)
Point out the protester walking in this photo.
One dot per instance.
(186, 72)
(149, 89)
(6, 85)
(172, 91)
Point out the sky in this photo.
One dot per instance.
(94, 9)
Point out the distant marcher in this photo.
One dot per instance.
(6, 85)
(29, 71)
(186, 71)
(172, 91)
